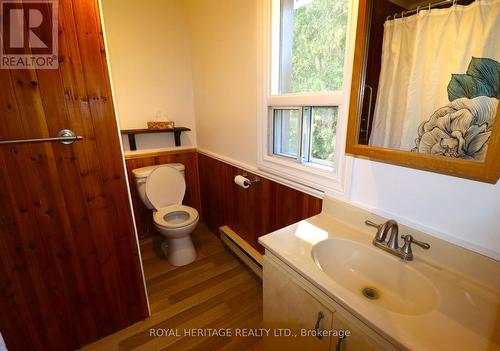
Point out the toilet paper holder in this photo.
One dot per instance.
(255, 180)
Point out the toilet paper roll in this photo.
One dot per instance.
(242, 181)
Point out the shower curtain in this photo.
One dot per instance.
(440, 81)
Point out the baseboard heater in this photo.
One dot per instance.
(246, 253)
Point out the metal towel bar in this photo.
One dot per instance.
(64, 136)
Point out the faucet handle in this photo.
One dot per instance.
(406, 252)
(409, 239)
(372, 224)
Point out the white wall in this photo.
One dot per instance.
(225, 70)
(150, 65)
(223, 43)
(462, 211)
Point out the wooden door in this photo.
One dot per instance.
(69, 263)
(287, 306)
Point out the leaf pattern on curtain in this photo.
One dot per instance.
(482, 79)
(463, 128)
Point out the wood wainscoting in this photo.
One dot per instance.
(188, 157)
(262, 208)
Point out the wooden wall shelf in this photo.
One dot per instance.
(132, 132)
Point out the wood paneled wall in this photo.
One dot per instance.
(262, 208)
(188, 158)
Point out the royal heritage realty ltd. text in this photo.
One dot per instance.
(245, 332)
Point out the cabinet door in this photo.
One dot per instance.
(287, 305)
(358, 339)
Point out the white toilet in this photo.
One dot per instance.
(162, 188)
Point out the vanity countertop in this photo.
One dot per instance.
(466, 315)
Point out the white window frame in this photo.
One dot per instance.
(334, 181)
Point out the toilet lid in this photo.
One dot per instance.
(165, 186)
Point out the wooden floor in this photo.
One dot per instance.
(216, 291)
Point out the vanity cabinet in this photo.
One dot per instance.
(288, 306)
(296, 312)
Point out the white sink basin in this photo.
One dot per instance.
(383, 280)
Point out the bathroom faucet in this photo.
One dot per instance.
(392, 245)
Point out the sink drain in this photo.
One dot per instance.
(370, 293)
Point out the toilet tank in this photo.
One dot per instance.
(142, 174)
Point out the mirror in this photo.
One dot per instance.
(426, 85)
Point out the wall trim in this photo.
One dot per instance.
(131, 155)
(252, 169)
(245, 166)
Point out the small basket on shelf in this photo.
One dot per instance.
(161, 125)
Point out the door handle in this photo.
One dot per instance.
(64, 136)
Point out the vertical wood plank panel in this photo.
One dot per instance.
(90, 171)
(92, 54)
(69, 270)
(262, 208)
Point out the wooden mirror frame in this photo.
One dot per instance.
(487, 171)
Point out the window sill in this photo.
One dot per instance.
(321, 178)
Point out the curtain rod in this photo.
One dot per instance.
(428, 7)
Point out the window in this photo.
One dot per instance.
(286, 130)
(310, 46)
(306, 134)
(304, 100)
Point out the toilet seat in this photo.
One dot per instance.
(175, 216)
